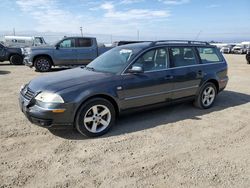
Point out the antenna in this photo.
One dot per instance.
(198, 35)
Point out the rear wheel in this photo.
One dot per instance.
(16, 60)
(95, 117)
(206, 97)
(43, 64)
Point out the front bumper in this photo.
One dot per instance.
(45, 117)
(27, 61)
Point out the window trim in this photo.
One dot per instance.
(209, 62)
(68, 39)
(197, 60)
(78, 43)
(124, 72)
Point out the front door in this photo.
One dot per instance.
(152, 86)
(65, 53)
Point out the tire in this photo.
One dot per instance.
(206, 97)
(16, 60)
(95, 117)
(43, 64)
(248, 58)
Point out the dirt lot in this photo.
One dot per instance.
(176, 146)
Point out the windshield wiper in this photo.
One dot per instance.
(90, 68)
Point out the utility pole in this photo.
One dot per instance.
(138, 34)
(111, 38)
(81, 31)
(14, 32)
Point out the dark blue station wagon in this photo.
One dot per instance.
(123, 79)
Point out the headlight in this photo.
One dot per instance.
(49, 97)
(27, 51)
(22, 87)
(22, 50)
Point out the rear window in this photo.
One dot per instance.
(208, 55)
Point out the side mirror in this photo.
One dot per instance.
(136, 70)
(57, 46)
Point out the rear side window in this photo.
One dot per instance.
(208, 55)
(182, 56)
(84, 42)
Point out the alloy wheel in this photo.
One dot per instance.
(208, 96)
(43, 64)
(97, 118)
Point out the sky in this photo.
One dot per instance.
(220, 20)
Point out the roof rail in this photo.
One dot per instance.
(179, 42)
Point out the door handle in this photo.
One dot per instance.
(200, 73)
(169, 77)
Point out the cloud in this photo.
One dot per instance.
(174, 2)
(130, 1)
(213, 6)
(49, 16)
(132, 14)
(111, 17)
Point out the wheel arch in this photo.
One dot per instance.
(11, 54)
(43, 55)
(214, 81)
(103, 96)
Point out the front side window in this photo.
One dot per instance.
(84, 42)
(208, 55)
(182, 56)
(67, 43)
(152, 60)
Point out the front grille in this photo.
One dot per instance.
(28, 94)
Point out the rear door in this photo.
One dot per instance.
(66, 54)
(186, 70)
(152, 86)
(86, 50)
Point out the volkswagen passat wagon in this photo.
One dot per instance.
(127, 77)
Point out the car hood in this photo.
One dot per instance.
(55, 82)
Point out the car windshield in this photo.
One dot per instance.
(114, 60)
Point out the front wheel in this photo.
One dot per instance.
(95, 117)
(16, 60)
(42, 64)
(248, 58)
(206, 97)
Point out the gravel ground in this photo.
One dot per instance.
(175, 146)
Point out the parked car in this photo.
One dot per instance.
(129, 77)
(68, 51)
(227, 49)
(239, 49)
(23, 41)
(248, 57)
(14, 55)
